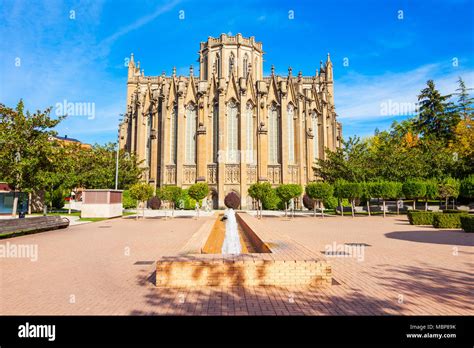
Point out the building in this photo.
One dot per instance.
(65, 141)
(229, 125)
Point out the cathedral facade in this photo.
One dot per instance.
(229, 125)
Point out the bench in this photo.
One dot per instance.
(17, 227)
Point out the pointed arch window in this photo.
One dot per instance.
(232, 133)
(173, 136)
(273, 135)
(249, 121)
(218, 65)
(291, 133)
(191, 119)
(245, 64)
(314, 125)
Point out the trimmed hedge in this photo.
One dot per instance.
(454, 211)
(467, 223)
(421, 217)
(447, 220)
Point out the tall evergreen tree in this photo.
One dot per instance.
(465, 102)
(437, 116)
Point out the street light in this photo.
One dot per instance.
(117, 156)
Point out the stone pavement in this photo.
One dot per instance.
(386, 267)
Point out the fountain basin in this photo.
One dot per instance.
(272, 259)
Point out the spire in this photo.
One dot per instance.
(290, 70)
(131, 61)
(131, 67)
(174, 71)
(191, 71)
(273, 69)
(328, 60)
(328, 69)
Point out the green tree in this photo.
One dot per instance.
(349, 190)
(436, 117)
(25, 149)
(448, 188)
(198, 192)
(467, 187)
(171, 194)
(260, 191)
(141, 192)
(286, 192)
(431, 191)
(319, 191)
(464, 105)
(414, 189)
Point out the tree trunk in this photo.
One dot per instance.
(454, 204)
(15, 204)
(45, 209)
(340, 206)
(383, 207)
(29, 202)
(286, 209)
(314, 209)
(446, 203)
(143, 210)
(138, 207)
(414, 204)
(398, 207)
(321, 205)
(368, 206)
(426, 204)
(352, 207)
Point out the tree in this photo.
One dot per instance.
(286, 192)
(431, 191)
(351, 162)
(319, 191)
(448, 188)
(465, 101)
(141, 192)
(259, 191)
(349, 190)
(171, 194)
(198, 192)
(467, 187)
(414, 189)
(437, 117)
(25, 149)
(398, 188)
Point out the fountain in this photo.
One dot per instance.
(231, 243)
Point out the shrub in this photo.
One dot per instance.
(154, 203)
(57, 199)
(421, 217)
(467, 187)
(198, 191)
(454, 211)
(332, 203)
(447, 220)
(232, 200)
(271, 200)
(286, 192)
(185, 202)
(127, 201)
(467, 223)
(308, 202)
(413, 189)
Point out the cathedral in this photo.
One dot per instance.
(228, 124)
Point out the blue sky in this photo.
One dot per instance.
(47, 57)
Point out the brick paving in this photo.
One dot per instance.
(107, 268)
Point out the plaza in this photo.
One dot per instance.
(108, 268)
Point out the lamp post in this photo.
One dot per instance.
(117, 155)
